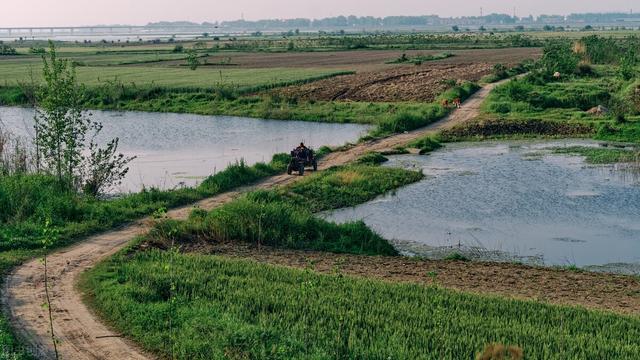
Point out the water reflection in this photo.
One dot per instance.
(181, 149)
(511, 201)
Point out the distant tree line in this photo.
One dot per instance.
(395, 21)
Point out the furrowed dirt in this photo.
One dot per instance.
(81, 334)
(416, 83)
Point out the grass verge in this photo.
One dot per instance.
(26, 201)
(284, 217)
(204, 307)
(600, 155)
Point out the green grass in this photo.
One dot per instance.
(599, 155)
(284, 217)
(26, 201)
(174, 77)
(419, 59)
(372, 158)
(203, 307)
(534, 106)
(426, 144)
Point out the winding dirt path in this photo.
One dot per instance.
(81, 334)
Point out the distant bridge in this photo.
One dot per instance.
(106, 29)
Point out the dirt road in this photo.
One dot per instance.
(81, 335)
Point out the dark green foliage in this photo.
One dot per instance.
(419, 59)
(582, 96)
(600, 155)
(628, 64)
(426, 144)
(229, 308)
(559, 57)
(284, 217)
(27, 200)
(483, 129)
(258, 220)
(348, 186)
(7, 50)
(372, 158)
(456, 257)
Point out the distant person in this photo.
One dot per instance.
(457, 103)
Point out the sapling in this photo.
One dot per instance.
(49, 238)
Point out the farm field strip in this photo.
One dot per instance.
(170, 76)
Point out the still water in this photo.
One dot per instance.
(182, 149)
(511, 201)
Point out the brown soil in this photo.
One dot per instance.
(415, 83)
(616, 293)
(81, 334)
(361, 60)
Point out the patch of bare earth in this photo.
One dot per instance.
(416, 83)
(357, 60)
(609, 292)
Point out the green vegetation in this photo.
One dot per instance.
(426, 144)
(372, 158)
(284, 217)
(175, 77)
(600, 155)
(223, 308)
(27, 201)
(419, 59)
(409, 120)
(574, 90)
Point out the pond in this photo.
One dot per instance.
(182, 149)
(511, 201)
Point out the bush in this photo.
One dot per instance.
(558, 56)
(426, 144)
(372, 158)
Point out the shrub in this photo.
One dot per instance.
(426, 144)
(372, 158)
(559, 56)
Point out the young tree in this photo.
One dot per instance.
(628, 64)
(66, 135)
(60, 124)
(192, 59)
(559, 57)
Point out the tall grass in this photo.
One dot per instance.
(239, 309)
(410, 120)
(27, 200)
(284, 217)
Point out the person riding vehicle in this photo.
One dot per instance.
(301, 157)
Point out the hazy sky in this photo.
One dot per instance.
(92, 12)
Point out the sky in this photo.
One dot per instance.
(139, 12)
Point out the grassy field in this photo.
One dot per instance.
(27, 201)
(523, 108)
(202, 307)
(172, 77)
